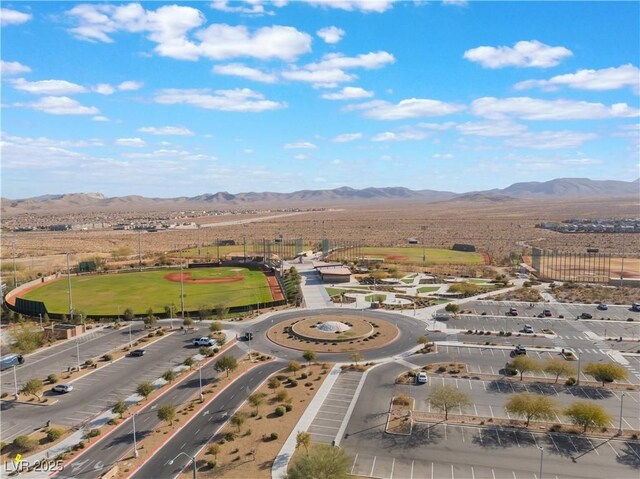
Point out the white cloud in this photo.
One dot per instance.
(300, 145)
(582, 161)
(60, 105)
(455, 3)
(491, 128)
(437, 126)
(347, 137)
(169, 27)
(548, 140)
(13, 17)
(13, 68)
(167, 130)
(248, 151)
(248, 7)
(134, 142)
(48, 87)
(240, 99)
(100, 118)
(303, 156)
(407, 134)
(409, 108)
(104, 89)
(536, 109)
(598, 80)
(130, 85)
(320, 78)
(442, 156)
(366, 6)
(522, 54)
(331, 34)
(240, 70)
(348, 93)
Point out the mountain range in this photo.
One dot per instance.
(89, 202)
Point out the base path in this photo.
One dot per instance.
(186, 278)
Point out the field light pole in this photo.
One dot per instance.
(424, 254)
(620, 424)
(191, 458)
(578, 375)
(621, 265)
(135, 444)
(181, 290)
(130, 335)
(69, 284)
(541, 456)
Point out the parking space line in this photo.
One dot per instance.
(470, 386)
(473, 473)
(373, 465)
(491, 410)
(393, 463)
(431, 470)
(593, 448)
(493, 473)
(354, 463)
(630, 426)
(452, 476)
(554, 443)
(323, 435)
(412, 468)
(462, 432)
(613, 449)
(475, 408)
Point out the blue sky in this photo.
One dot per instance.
(177, 99)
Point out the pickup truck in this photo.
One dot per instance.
(203, 341)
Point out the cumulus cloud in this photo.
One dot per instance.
(491, 128)
(366, 6)
(536, 109)
(406, 134)
(319, 78)
(104, 89)
(13, 17)
(300, 145)
(175, 30)
(548, 140)
(240, 70)
(597, 80)
(522, 54)
(331, 34)
(247, 7)
(134, 142)
(409, 108)
(47, 87)
(348, 93)
(347, 137)
(455, 3)
(60, 105)
(442, 156)
(100, 118)
(167, 130)
(129, 85)
(13, 68)
(240, 99)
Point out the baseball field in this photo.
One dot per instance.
(414, 255)
(113, 293)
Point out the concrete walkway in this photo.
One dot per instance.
(313, 289)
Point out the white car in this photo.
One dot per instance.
(527, 329)
(421, 378)
(62, 388)
(203, 341)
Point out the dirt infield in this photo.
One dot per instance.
(396, 258)
(186, 278)
(276, 292)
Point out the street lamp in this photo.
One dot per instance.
(193, 461)
(135, 444)
(200, 377)
(130, 335)
(15, 380)
(620, 424)
(578, 375)
(541, 456)
(78, 353)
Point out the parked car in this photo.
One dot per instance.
(586, 316)
(203, 341)
(518, 351)
(421, 378)
(137, 352)
(603, 307)
(62, 388)
(512, 312)
(527, 328)
(248, 336)
(635, 306)
(547, 313)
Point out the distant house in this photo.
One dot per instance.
(413, 241)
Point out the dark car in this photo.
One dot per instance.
(547, 313)
(586, 316)
(518, 351)
(603, 307)
(137, 352)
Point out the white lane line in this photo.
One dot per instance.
(412, 469)
(373, 465)
(432, 470)
(354, 464)
(493, 473)
(452, 476)
(473, 473)
(491, 409)
(613, 449)
(475, 408)
(393, 463)
(462, 431)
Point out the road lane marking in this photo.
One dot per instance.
(393, 463)
(373, 465)
(411, 469)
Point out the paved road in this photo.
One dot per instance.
(99, 390)
(101, 457)
(450, 452)
(58, 358)
(195, 435)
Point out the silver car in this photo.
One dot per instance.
(62, 388)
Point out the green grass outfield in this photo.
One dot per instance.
(102, 294)
(414, 255)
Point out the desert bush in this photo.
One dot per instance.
(52, 378)
(54, 433)
(280, 411)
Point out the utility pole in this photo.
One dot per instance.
(578, 375)
(135, 444)
(181, 290)
(622, 263)
(139, 250)
(69, 284)
(424, 255)
(15, 274)
(620, 425)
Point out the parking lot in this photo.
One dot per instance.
(604, 458)
(325, 426)
(489, 397)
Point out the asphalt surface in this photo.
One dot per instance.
(99, 390)
(97, 460)
(201, 430)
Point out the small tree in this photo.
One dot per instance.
(256, 399)
(128, 314)
(221, 311)
(119, 408)
(145, 388)
(189, 362)
(214, 450)
(204, 311)
(294, 366)
(605, 372)
(238, 420)
(356, 356)
(169, 375)
(274, 383)
(186, 322)
(26, 339)
(150, 320)
(167, 413)
(303, 439)
(452, 308)
(24, 443)
(525, 364)
(309, 356)
(33, 386)
(446, 398)
(587, 415)
(324, 462)
(215, 327)
(531, 406)
(226, 363)
(558, 367)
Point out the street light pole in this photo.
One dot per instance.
(69, 284)
(200, 377)
(620, 424)
(40, 314)
(541, 456)
(15, 381)
(181, 289)
(424, 255)
(78, 353)
(135, 444)
(193, 461)
(130, 342)
(578, 375)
